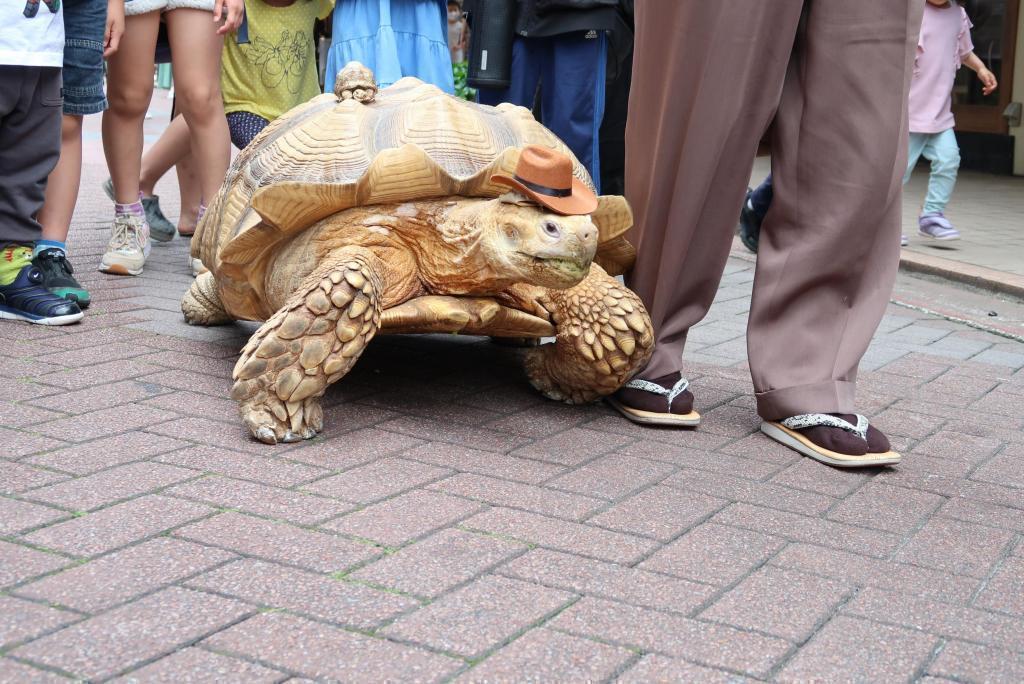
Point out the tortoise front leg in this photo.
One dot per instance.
(311, 342)
(603, 337)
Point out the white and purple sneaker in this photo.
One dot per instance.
(936, 226)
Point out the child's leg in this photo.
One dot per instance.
(944, 154)
(62, 185)
(195, 51)
(917, 144)
(171, 147)
(191, 195)
(129, 89)
(30, 113)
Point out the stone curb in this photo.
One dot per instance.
(978, 276)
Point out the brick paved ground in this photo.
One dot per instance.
(451, 524)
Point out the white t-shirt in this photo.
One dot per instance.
(36, 41)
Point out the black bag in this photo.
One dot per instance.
(546, 6)
(490, 44)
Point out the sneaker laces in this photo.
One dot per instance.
(127, 230)
(55, 261)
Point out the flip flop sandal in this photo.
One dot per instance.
(691, 419)
(786, 432)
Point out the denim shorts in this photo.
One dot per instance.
(133, 7)
(85, 22)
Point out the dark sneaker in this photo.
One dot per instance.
(27, 299)
(57, 278)
(750, 224)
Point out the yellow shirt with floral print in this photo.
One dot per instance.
(276, 69)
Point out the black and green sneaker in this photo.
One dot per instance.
(57, 278)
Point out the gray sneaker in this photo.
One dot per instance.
(160, 228)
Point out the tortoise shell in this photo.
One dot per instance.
(407, 142)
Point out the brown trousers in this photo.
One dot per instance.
(830, 77)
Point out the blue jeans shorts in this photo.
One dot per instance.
(85, 22)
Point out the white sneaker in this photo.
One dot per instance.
(128, 247)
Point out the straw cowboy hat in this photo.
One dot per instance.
(545, 176)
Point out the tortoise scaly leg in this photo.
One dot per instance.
(311, 342)
(201, 304)
(603, 338)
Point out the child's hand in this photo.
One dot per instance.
(988, 81)
(115, 27)
(235, 10)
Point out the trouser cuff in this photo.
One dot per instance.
(833, 396)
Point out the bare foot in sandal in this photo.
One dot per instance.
(838, 439)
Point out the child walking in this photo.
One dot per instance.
(31, 55)
(92, 30)
(944, 45)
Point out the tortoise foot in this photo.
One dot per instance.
(201, 304)
(311, 342)
(603, 338)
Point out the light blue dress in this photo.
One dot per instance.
(394, 38)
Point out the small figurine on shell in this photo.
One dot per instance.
(411, 211)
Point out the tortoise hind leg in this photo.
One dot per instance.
(201, 304)
(603, 338)
(311, 342)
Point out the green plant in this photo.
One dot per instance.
(460, 69)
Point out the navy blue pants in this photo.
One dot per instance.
(570, 70)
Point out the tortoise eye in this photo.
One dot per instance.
(551, 229)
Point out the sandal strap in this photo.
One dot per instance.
(809, 420)
(670, 394)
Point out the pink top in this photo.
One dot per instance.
(945, 40)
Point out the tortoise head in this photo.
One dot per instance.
(531, 244)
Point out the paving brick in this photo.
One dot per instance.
(1006, 469)
(545, 655)
(884, 507)
(273, 541)
(659, 512)
(464, 459)
(124, 574)
(17, 516)
(196, 363)
(377, 480)
(121, 524)
(350, 449)
(1005, 591)
(315, 595)
(741, 489)
(608, 580)
(906, 423)
(479, 616)
(326, 652)
(105, 487)
(542, 420)
(89, 356)
(714, 554)
(716, 462)
(855, 650)
(19, 415)
(197, 665)
(18, 563)
(808, 475)
(811, 530)
(573, 446)
(942, 619)
(687, 439)
(959, 445)
(701, 642)
(99, 397)
(965, 662)
(665, 670)
(562, 535)
(272, 502)
(399, 520)
(212, 385)
(983, 513)
(519, 495)
(20, 443)
(785, 603)
(134, 633)
(19, 477)
(231, 435)
(954, 546)
(191, 403)
(463, 435)
(244, 466)
(22, 620)
(439, 562)
(613, 476)
(102, 423)
(98, 374)
(13, 672)
(82, 459)
(878, 573)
